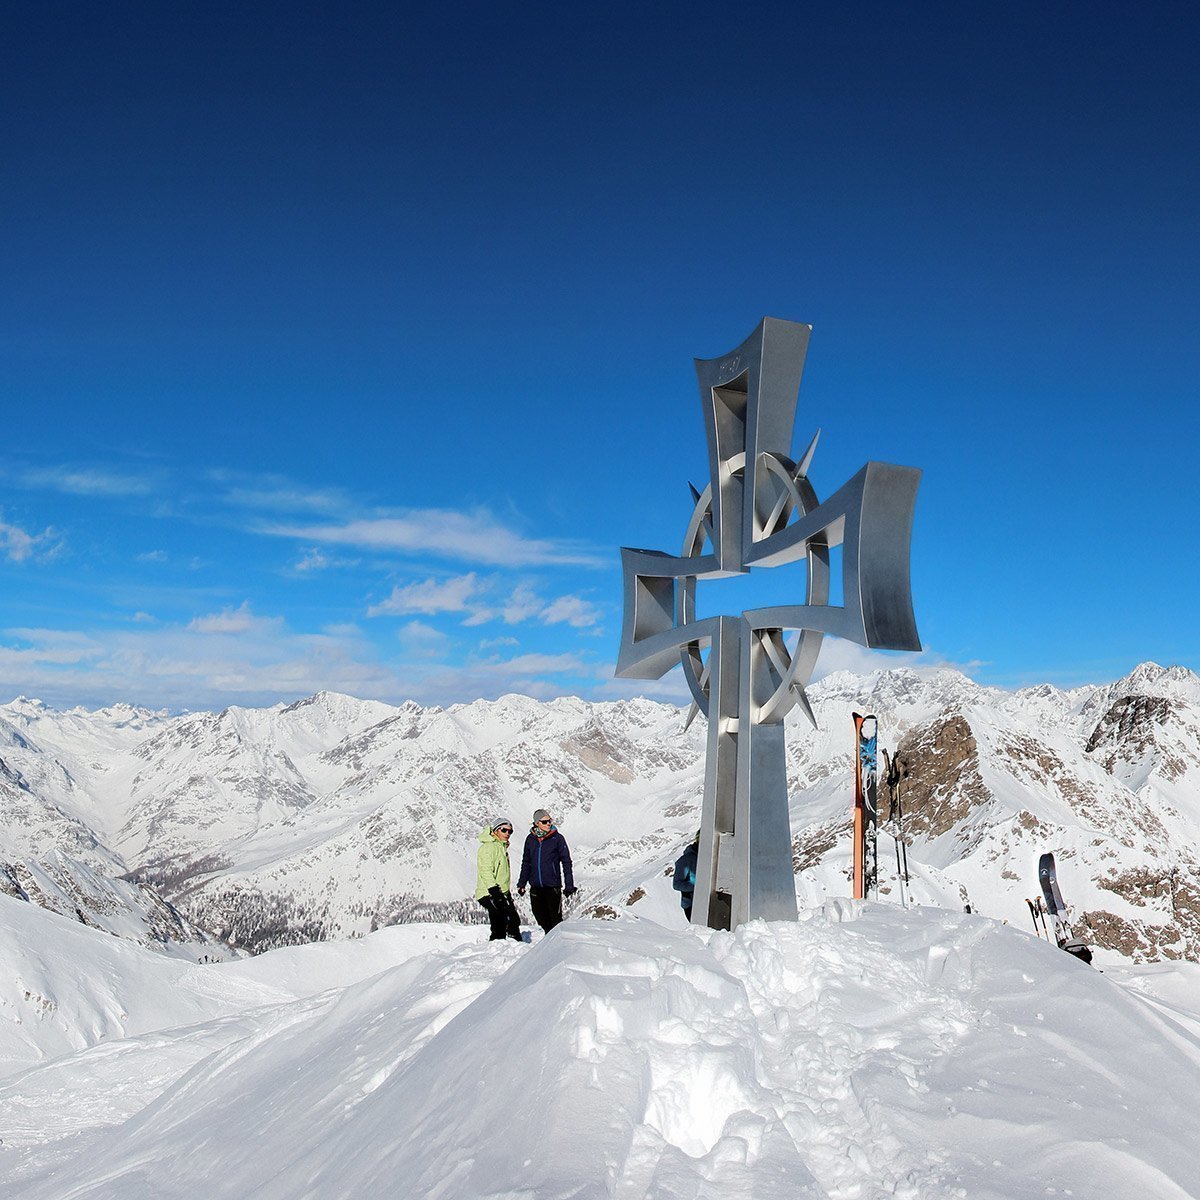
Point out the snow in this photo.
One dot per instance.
(65, 987)
(864, 1051)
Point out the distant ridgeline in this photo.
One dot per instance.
(332, 816)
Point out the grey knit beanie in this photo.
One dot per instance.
(540, 814)
(497, 822)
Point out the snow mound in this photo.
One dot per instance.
(65, 987)
(863, 1052)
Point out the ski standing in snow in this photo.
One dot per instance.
(866, 807)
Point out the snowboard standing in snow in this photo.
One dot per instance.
(895, 771)
(1057, 908)
(866, 807)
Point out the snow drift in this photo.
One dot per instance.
(865, 1051)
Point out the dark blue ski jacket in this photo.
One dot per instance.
(685, 870)
(544, 859)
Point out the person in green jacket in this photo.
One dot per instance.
(494, 879)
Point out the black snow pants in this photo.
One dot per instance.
(546, 903)
(502, 914)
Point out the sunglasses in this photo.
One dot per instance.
(546, 822)
(503, 829)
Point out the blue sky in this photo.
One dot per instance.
(343, 345)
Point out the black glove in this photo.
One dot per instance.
(520, 891)
(495, 893)
(570, 891)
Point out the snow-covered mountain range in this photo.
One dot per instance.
(332, 816)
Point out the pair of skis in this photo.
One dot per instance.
(1051, 904)
(866, 809)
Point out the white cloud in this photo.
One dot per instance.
(471, 595)
(573, 610)
(287, 499)
(18, 545)
(537, 664)
(178, 666)
(474, 536)
(234, 657)
(278, 493)
(526, 605)
(496, 642)
(312, 560)
(838, 654)
(671, 689)
(522, 605)
(153, 556)
(481, 616)
(315, 559)
(421, 639)
(85, 481)
(429, 596)
(49, 646)
(542, 676)
(233, 620)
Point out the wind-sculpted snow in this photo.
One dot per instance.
(864, 1052)
(65, 986)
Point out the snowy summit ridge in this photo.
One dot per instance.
(865, 1050)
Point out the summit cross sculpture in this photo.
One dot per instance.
(759, 510)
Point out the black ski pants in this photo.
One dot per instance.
(546, 903)
(502, 914)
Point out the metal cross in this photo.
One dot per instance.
(759, 510)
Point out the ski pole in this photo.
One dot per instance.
(875, 853)
(899, 875)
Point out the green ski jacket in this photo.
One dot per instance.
(493, 864)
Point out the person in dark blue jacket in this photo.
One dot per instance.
(685, 876)
(545, 864)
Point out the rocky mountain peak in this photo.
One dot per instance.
(944, 784)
